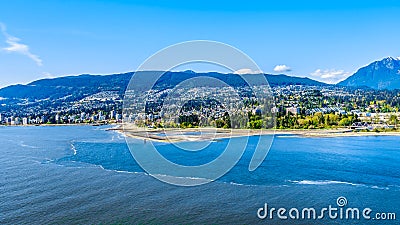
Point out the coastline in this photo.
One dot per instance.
(62, 125)
(213, 134)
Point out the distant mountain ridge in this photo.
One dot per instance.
(383, 74)
(64, 92)
(84, 85)
(71, 85)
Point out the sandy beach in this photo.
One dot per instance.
(205, 134)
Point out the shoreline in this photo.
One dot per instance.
(171, 135)
(63, 125)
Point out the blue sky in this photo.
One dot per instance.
(323, 40)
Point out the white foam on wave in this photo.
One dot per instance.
(117, 137)
(380, 188)
(176, 178)
(181, 178)
(237, 184)
(171, 178)
(331, 182)
(322, 182)
(22, 144)
(128, 172)
(121, 171)
(73, 148)
(246, 185)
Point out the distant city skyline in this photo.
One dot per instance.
(326, 41)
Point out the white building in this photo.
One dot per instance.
(112, 114)
(25, 121)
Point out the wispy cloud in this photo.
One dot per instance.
(14, 46)
(247, 71)
(48, 75)
(282, 68)
(330, 76)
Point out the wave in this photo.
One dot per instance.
(123, 171)
(331, 182)
(117, 137)
(181, 179)
(380, 188)
(321, 182)
(178, 178)
(169, 177)
(161, 176)
(73, 148)
(239, 184)
(174, 179)
(22, 144)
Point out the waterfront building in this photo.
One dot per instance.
(112, 115)
(25, 121)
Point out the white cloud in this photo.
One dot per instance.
(14, 46)
(247, 71)
(282, 68)
(330, 76)
(48, 75)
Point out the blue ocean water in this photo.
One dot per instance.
(87, 175)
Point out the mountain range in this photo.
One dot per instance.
(383, 74)
(81, 86)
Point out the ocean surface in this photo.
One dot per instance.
(87, 175)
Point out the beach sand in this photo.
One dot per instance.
(207, 134)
